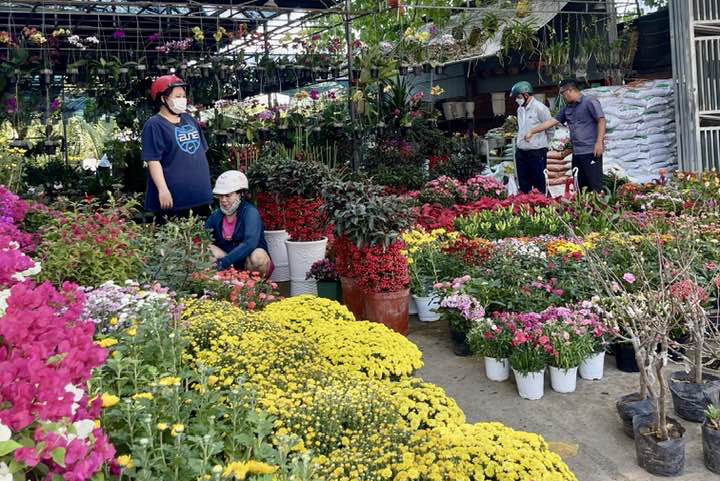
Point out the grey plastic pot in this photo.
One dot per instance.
(661, 458)
(689, 399)
(630, 405)
(711, 448)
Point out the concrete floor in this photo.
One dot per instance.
(582, 427)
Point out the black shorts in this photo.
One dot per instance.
(590, 171)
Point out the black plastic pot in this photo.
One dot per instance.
(329, 290)
(439, 69)
(460, 344)
(402, 69)
(356, 74)
(630, 405)
(661, 458)
(336, 72)
(374, 73)
(711, 448)
(689, 399)
(427, 67)
(625, 357)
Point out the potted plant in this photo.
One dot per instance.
(461, 310)
(692, 390)
(272, 211)
(596, 338)
(325, 274)
(369, 257)
(423, 255)
(564, 332)
(711, 438)
(529, 355)
(492, 339)
(644, 303)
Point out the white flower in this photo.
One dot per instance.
(77, 396)
(5, 433)
(5, 472)
(84, 428)
(4, 295)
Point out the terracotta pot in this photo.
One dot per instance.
(353, 297)
(389, 308)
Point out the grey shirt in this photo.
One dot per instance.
(582, 117)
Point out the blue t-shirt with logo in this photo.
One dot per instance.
(180, 148)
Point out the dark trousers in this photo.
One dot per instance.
(590, 171)
(162, 217)
(530, 167)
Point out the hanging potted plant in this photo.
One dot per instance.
(492, 339)
(325, 274)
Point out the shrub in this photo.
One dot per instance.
(90, 248)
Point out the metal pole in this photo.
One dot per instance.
(612, 33)
(355, 159)
(266, 45)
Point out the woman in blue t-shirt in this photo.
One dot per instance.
(174, 147)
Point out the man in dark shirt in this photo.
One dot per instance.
(585, 119)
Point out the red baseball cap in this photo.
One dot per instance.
(161, 84)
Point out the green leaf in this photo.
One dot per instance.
(7, 447)
(58, 455)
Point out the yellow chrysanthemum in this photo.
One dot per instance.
(109, 400)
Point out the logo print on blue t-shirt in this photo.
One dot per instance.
(188, 138)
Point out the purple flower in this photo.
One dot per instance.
(314, 94)
(154, 37)
(629, 278)
(11, 105)
(55, 104)
(265, 115)
(118, 35)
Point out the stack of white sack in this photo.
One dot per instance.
(640, 138)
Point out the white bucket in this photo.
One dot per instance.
(469, 109)
(299, 288)
(563, 380)
(424, 306)
(531, 385)
(497, 369)
(592, 367)
(412, 306)
(278, 253)
(448, 111)
(498, 103)
(301, 257)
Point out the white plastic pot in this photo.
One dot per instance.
(412, 307)
(425, 306)
(592, 367)
(563, 380)
(278, 253)
(448, 111)
(301, 257)
(498, 103)
(531, 385)
(497, 369)
(469, 109)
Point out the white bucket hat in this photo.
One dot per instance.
(230, 181)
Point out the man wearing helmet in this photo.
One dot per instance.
(530, 155)
(236, 227)
(174, 147)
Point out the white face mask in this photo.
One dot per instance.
(232, 209)
(520, 101)
(178, 105)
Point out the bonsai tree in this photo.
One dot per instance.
(642, 310)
